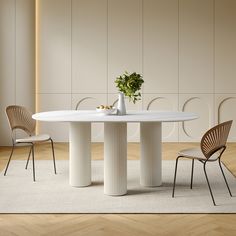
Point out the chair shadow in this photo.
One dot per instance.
(167, 187)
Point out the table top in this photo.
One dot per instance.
(131, 116)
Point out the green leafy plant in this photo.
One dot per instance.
(130, 85)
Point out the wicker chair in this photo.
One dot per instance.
(212, 146)
(20, 118)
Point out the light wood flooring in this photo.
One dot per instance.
(116, 224)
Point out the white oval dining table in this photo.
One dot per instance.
(115, 145)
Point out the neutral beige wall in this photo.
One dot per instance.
(185, 49)
(17, 59)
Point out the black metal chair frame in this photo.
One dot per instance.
(14, 144)
(204, 162)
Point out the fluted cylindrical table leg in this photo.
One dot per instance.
(150, 160)
(115, 158)
(80, 154)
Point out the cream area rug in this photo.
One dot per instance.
(53, 194)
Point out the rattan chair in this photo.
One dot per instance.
(20, 118)
(212, 146)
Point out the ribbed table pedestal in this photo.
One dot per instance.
(115, 158)
(150, 159)
(80, 154)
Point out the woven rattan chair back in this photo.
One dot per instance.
(215, 139)
(20, 118)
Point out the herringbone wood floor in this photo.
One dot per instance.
(116, 224)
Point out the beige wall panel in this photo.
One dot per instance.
(90, 102)
(49, 102)
(164, 102)
(124, 39)
(16, 59)
(225, 46)
(202, 105)
(132, 128)
(7, 65)
(25, 53)
(160, 46)
(225, 104)
(196, 46)
(89, 46)
(55, 46)
(7, 51)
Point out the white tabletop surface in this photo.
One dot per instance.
(131, 116)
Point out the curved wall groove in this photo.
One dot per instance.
(193, 130)
(226, 112)
(163, 104)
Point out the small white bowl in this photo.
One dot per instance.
(106, 111)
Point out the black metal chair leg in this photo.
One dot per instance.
(33, 161)
(13, 146)
(53, 155)
(26, 166)
(225, 178)
(191, 186)
(176, 165)
(204, 167)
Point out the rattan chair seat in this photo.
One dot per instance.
(34, 139)
(196, 153)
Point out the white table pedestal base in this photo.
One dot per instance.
(80, 154)
(150, 160)
(115, 158)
